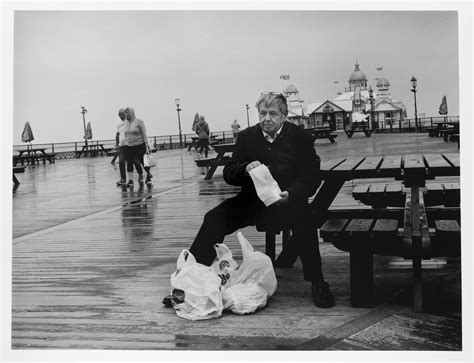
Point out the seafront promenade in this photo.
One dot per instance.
(91, 263)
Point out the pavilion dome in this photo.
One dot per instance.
(357, 74)
(291, 89)
(383, 83)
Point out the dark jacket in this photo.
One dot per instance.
(291, 159)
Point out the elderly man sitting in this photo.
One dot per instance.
(289, 154)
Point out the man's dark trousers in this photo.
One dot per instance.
(241, 211)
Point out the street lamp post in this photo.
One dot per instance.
(179, 123)
(247, 107)
(413, 84)
(84, 111)
(371, 96)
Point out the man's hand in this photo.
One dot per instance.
(285, 196)
(252, 165)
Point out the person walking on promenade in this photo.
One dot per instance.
(202, 129)
(235, 130)
(136, 144)
(120, 145)
(289, 154)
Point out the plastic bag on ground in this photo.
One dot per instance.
(244, 298)
(254, 283)
(225, 266)
(200, 295)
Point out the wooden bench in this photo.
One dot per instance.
(447, 194)
(207, 162)
(433, 131)
(17, 169)
(380, 195)
(365, 236)
(358, 128)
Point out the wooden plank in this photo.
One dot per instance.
(386, 226)
(391, 166)
(414, 166)
(348, 164)
(435, 161)
(332, 228)
(393, 189)
(359, 227)
(453, 159)
(331, 163)
(452, 194)
(377, 190)
(368, 167)
(360, 190)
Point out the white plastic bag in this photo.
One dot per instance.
(254, 282)
(244, 298)
(225, 266)
(267, 188)
(201, 289)
(148, 161)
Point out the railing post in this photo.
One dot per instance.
(52, 148)
(171, 142)
(75, 148)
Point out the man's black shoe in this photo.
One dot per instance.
(322, 296)
(167, 301)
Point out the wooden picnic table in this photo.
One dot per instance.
(220, 160)
(195, 142)
(322, 133)
(443, 128)
(33, 156)
(91, 150)
(358, 127)
(412, 170)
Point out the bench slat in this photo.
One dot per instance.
(385, 226)
(391, 189)
(390, 164)
(359, 227)
(332, 228)
(447, 226)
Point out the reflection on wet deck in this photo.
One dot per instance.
(91, 263)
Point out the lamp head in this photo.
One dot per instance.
(413, 82)
(177, 101)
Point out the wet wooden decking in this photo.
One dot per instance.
(91, 264)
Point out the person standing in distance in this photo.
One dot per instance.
(235, 130)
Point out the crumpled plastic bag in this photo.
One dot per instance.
(244, 298)
(225, 266)
(200, 296)
(252, 283)
(267, 188)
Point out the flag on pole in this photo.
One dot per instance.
(379, 68)
(285, 77)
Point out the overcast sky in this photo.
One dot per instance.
(216, 62)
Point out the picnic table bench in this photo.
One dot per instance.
(413, 231)
(322, 133)
(219, 160)
(91, 150)
(33, 156)
(195, 142)
(358, 127)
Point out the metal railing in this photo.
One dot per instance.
(69, 150)
(409, 125)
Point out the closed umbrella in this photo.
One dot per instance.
(196, 120)
(443, 108)
(27, 134)
(88, 133)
